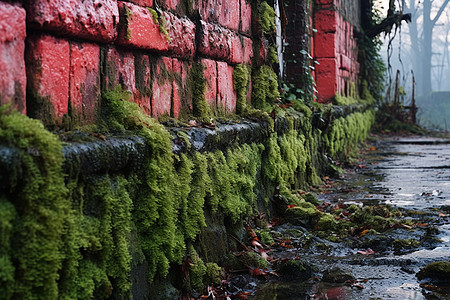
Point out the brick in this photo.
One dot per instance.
(144, 3)
(223, 44)
(181, 33)
(325, 45)
(326, 20)
(170, 4)
(241, 50)
(84, 78)
(210, 74)
(94, 20)
(139, 30)
(246, 17)
(143, 82)
(326, 79)
(226, 95)
(48, 64)
(176, 87)
(13, 77)
(345, 62)
(120, 69)
(223, 12)
(162, 87)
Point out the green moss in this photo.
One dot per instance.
(435, 270)
(254, 260)
(41, 210)
(158, 19)
(326, 222)
(265, 88)
(200, 107)
(266, 18)
(214, 274)
(241, 85)
(197, 270)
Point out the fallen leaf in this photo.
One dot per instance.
(368, 252)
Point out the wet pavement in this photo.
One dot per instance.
(411, 174)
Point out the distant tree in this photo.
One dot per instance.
(422, 41)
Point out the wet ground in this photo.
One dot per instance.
(410, 174)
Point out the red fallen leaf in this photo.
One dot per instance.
(252, 233)
(274, 273)
(420, 225)
(284, 245)
(256, 244)
(265, 255)
(292, 205)
(257, 272)
(357, 285)
(368, 196)
(368, 252)
(442, 214)
(362, 166)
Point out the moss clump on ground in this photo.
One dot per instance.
(438, 270)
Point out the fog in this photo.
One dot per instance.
(421, 48)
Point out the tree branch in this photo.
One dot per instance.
(441, 10)
(387, 23)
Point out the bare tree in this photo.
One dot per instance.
(422, 42)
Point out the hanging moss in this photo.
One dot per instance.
(266, 18)
(265, 88)
(40, 208)
(241, 85)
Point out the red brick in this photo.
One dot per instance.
(226, 96)
(145, 3)
(223, 44)
(162, 87)
(143, 81)
(170, 4)
(224, 12)
(139, 30)
(120, 69)
(181, 33)
(241, 50)
(326, 20)
(93, 20)
(48, 64)
(345, 62)
(326, 79)
(13, 77)
(210, 74)
(325, 45)
(84, 81)
(246, 17)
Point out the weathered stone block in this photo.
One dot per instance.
(162, 87)
(47, 65)
(84, 82)
(181, 33)
(224, 12)
(345, 62)
(226, 96)
(95, 20)
(246, 17)
(210, 74)
(170, 4)
(326, 20)
(143, 81)
(145, 3)
(138, 29)
(13, 77)
(325, 45)
(223, 44)
(120, 69)
(326, 78)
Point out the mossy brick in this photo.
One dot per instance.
(119, 69)
(84, 78)
(170, 4)
(181, 35)
(226, 95)
(12, 51)
(210, 74)
(138, 29)
(91, 20)
(246, 17)
(143, 92)
(325, 44)
(144, 3)
(326, 20)
(223, 44)
(162, 87)
(223, 12)
(326, 78)
(48, 66)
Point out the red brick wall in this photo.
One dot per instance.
(57, 56)
(335, 47)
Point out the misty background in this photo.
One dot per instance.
(420, 49)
